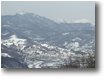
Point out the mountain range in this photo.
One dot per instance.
(33, 41)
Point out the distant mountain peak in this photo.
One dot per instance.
(28, 14)
(21, 13)
(76, 21)
(62, 20)
(84, 21)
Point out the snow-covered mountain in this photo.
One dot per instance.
(34, 41)
(84, 21)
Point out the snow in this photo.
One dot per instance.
(6, 33)
(21, 13)
(65, 33)
(30, 66)
(77, 39)
(50, 64)
(73, 45)
(62, 20)
(37, 64)
(45, 45)
(84, 21)
(76, 44)
(51, 47)
(65, 43)
(5, 55)
(13, 40)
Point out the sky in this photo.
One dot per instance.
(55, 10)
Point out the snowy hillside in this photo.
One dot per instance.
(33, 41)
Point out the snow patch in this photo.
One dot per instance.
(45, 45)
(5, 55)
(65, 33)
(84, 21)
(13, 40)
(21, 13)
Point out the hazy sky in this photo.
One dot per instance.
(54, 10)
